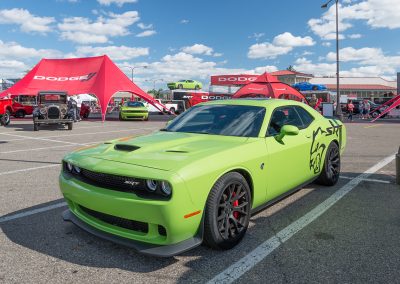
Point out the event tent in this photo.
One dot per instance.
(91, 75)
(267, 85)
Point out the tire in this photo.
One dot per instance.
(172, 110)
(197, 87)
(222, 231)
(6, 118)
(120, 117)
(70, 125)
(375, 114)
(35, 127)
(314, 88)
(20, 113)
(180, 86)
(331, 170)
(147, 118)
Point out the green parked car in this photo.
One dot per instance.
(185, 84)
(133, 110)
(202, 177)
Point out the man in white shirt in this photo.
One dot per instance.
(78, 104)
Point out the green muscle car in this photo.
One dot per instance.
(203, 176)
(185, 84)
(133, 110)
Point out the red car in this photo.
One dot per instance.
(20, 110)
(5, 111)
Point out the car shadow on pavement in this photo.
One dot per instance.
(29, 127)
(48, 234)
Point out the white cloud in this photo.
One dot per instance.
(145, 27)
(146, 33)
(217, 54)
(114, 52)
(83, 30)
(320, 69)
(268, 68)
(12, 50)
(184, 21)
(281, 44)
(354, 36)
(287, 39)
(257, 36)
(26, 21)
(12, 68)
(198, 49)
(119, 3)
(326, 43)
(351, 54)
(376, 13)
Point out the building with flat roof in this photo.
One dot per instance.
(292, 77)
(362, 87)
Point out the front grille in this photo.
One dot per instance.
(135, 111)
(119, 183)
(53, 112)
(117, 221)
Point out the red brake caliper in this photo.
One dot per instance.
(235, 204)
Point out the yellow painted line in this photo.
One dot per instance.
(372, 126)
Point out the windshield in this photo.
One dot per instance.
(227, 120)
(53, 98)
(134, 104)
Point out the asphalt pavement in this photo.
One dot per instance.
(348, 233)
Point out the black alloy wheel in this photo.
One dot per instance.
(227, 211)
(331, 170)
(180, 86)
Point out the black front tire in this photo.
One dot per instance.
(227, 212)
(70, 125)
(20, 114)
(35, 127)
(314, 88)
(331, 170)
(197, 87)
(180, 86)
(6, 118)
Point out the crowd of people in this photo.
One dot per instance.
(364, 108)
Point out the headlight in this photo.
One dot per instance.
(166, 188)
(43, 110)
(69, 167)
(151, 185)
(77, 169)
(63, 111)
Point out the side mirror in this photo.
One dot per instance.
(287, 130)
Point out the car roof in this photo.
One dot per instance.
(256, 102)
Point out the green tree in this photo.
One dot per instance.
(291, 68)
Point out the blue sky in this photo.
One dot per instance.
(179, 39)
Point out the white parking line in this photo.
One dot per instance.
(51, 147)
(76, 134)
(39, 138)
(29, 169)
(368, 179)
(31, 212)
(246, 263)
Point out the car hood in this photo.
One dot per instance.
(164, 150)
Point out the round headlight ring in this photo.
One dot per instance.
(43, 110)
(166, 188)
(151, 185)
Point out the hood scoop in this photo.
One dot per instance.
(125, 147)
(176, 151)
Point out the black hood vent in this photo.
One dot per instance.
(176, 151)
(125, 147)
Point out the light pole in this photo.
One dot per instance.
(134, 67)
(338, 112)
(154, 82)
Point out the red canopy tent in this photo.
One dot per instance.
(92, 75)
(269, 86)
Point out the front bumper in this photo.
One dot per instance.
(180, 234)
(134, 115)
(52, 121)
(149, 249)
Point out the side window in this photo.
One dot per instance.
(283, 116)
(305, 117)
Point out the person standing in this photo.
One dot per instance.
(350, 109)
(78, 107)
(361, 109)
(367, 109)
(313, 101)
